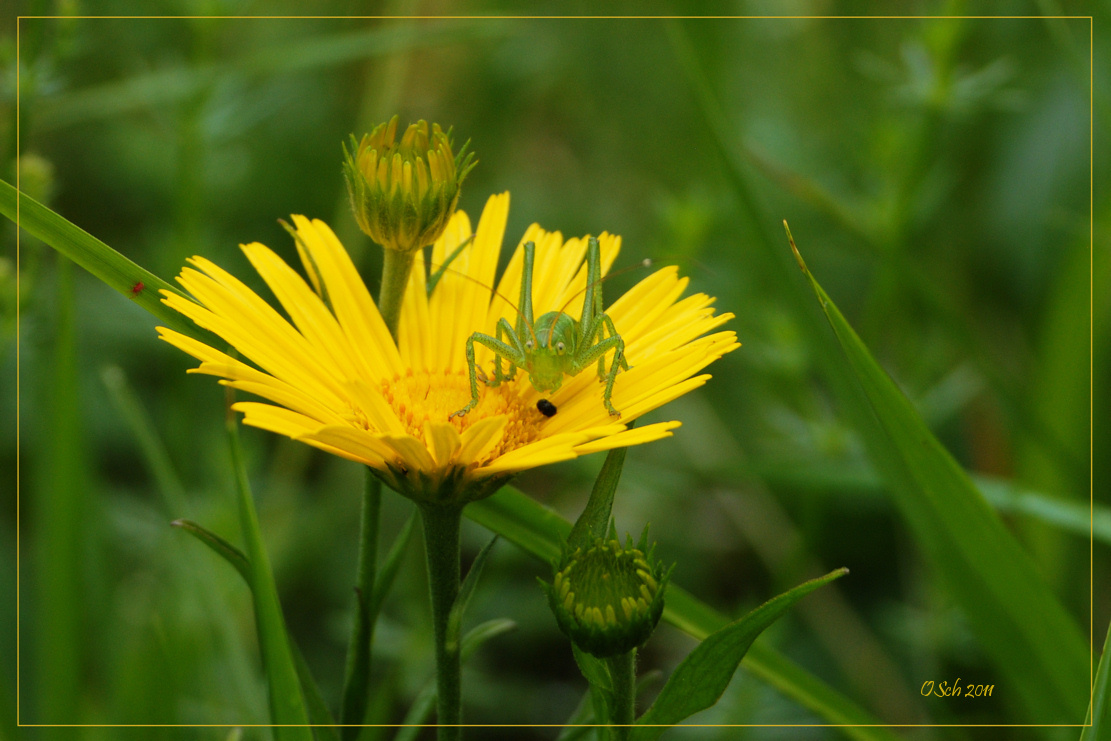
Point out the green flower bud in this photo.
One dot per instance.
(608, 599)
(403, 193)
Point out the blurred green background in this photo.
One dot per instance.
(935, 173)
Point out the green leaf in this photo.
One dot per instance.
(597, 673)
(1081, 519)
(595, 518)
(387, 574)
(482, 633)
(324, 725)
(102, 261)
(579, 724)
(422, 706)
(221, 547)
(699, 681)
(1016, 617)
(538, 530)
(1099, 711)
(287, 704)
(466, 590)
(146, 435)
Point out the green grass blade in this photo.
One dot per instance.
(699, 681)
(421, 709)
(287, 704)
(219, 546)
(388, 572)
(1099, 712)
(538, 530)
(102, 261)
(1081, 519)
(466, 590)
(317, 708)
(356, 680)
(61, 527)
(1019, 621)
(150, 444)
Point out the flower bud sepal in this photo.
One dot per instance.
(607, 598)
(403, 193)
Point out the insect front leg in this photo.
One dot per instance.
(500, 350)
(504, 329)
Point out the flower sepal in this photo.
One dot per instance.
(451, 485)
(404, 192)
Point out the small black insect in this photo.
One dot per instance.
(547, 408)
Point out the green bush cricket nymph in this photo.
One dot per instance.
(553, 345)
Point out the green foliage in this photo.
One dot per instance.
(287, 703)
(1099, 711)
(1018, 619)
(699, 681)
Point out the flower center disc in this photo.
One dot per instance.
(420, 396)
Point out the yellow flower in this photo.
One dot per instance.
(336, 380)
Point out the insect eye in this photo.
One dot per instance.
(559, 347)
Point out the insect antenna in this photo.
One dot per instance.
(444, 268)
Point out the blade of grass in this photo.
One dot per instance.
(421, 709)
(1005, 496)
(538, 530)
(466, 591)
(1099, 712)
(317, 708)
(1018, 620)
(102, 261)
(287, 704)
(356, 680)
(151, 445)
(61, 526)
(219, 546)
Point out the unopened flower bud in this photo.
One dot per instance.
(607, 598)
(404, 192)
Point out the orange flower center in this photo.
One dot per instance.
(420, 396)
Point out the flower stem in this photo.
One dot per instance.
(623, 710)
(441, 547)
(357, 675)
(396, 265)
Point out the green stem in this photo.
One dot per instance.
(623, 672)
(441, 547)
(395, 277)
(357, 676)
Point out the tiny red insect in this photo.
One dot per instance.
(137, 288)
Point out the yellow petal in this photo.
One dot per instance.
(443, 440)
(480, 438)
